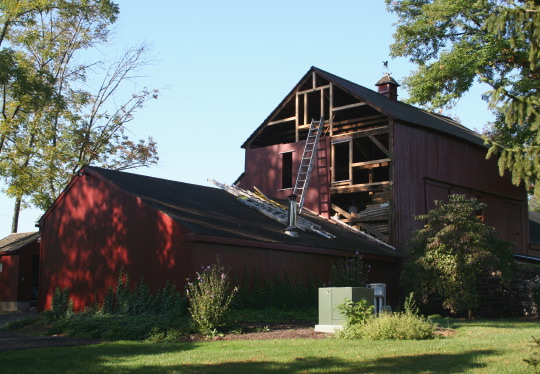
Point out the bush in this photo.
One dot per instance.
(390, 326)
(398, 326)
(349, 272)
(357, 313)
(446, 258)
(210, 296)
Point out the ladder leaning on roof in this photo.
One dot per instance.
(308, 159)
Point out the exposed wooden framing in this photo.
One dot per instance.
(371, 164)
(331, 108)
(365, 226)
(281, 121)
(322, 104)
(350, 160)
(359, 120)
(314, 89)
(313, 80)
(362, 151)
(349, 106)
(356, 125)
(367, 187)
(364, 133)
(305, 110)
(341, 139)
(297, 114)
(379, 144)
(332, 166)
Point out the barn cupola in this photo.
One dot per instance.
(388, 87)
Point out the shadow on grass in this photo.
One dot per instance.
(492, 323)
(441, 363)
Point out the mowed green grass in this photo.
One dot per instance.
(478, 347)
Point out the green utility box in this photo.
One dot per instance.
(331, 297)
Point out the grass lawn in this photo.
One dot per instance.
(478, 347)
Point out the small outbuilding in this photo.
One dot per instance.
(19, 271)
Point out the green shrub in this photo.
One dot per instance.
(398, 326)
(20, 323)
(409, 305)
(210, 296)
(349, 272)
(61, 305)
(357, 313)
(451, 252)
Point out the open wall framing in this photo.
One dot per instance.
(360, 152)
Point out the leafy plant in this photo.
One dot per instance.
(349, 272)
(61, 304)
(357, 313)
(409, 305)
(398, 326)
(534, 359)
(210, 296)
(451, 252)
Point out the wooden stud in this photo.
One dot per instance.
(379, 144)
(297, 115)
(331, 108)
(281, 121)
(349, 106)
(314, 89)
(366, 187)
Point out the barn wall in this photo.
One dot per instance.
(429, 165)
(296, 264)
(269, 160)
(94, 230)
(9, 281)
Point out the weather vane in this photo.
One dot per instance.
(385, 65)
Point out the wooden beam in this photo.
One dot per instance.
(349, 106)
(281, 121)
(371, 164)
(314, 89)
(363, 133)
(367, 187)
(297, 114)
(365, 226)
(331, 109)
(360, 119)
(379, 144)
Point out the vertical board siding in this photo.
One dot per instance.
(263, 170)
(422, 156)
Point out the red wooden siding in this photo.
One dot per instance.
(96, 229)
(429, 165)
(264, 170)
(18, 277)
(9, 278)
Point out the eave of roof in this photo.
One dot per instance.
(13, 243)
(394, 109)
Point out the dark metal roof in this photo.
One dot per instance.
(12, 243)
(395, 109)
(212, 211)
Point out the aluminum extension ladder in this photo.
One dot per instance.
(308, 159)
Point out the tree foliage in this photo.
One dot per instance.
(453, 249)
(59, 112)
(455, 44)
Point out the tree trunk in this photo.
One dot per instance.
(16, 211)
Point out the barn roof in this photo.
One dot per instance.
(394, 109)
(12, 243)
(212, 211)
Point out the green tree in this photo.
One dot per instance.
(54, 120)
(455, 44)
(453, 249)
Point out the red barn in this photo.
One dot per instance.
(19, 271)
(160, 230)
(383, 160)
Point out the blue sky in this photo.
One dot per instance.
(222, 67)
